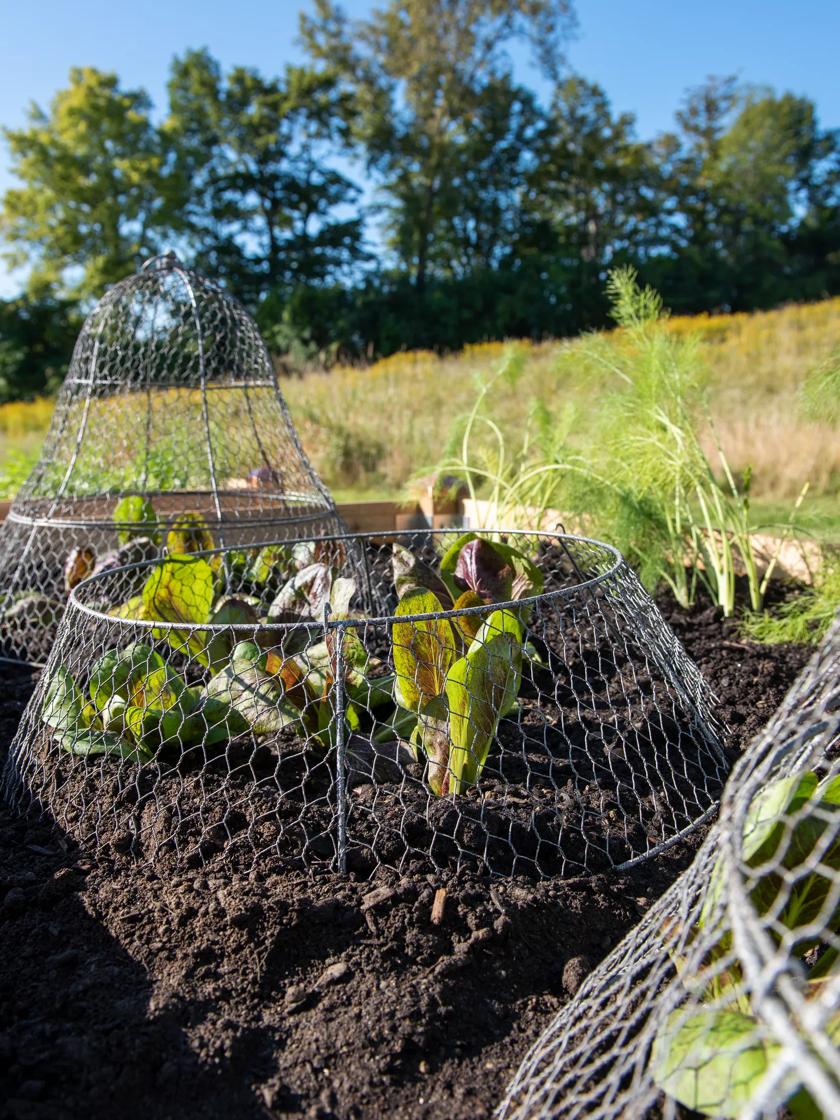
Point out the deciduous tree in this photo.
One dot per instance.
(419, 71)
(268, 208)
(95, 195)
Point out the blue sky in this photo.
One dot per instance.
(645, 53)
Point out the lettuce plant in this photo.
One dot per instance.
(251, 685)
(278, 679)
(76, 725)
(32, 607)
(458, 675)
(454, 677)
(79, 565)
(135, 516)
(713, 1059)
(488, 571)
(273, 689)
(189, 533)
(457, 697)
(494, 571)
(308, 668)
(457, 689)
(270, 560)
(138, 704)
(135, 520)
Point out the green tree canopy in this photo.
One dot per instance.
(266, 207)
(421, 73)
(488, 211)
(591, 192)
(95, 196)
(745, 173)
(36, 337)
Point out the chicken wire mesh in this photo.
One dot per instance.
(725, 1000)
(170, 419)
(423, 701)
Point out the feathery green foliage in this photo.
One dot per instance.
(633, 469)
(807, 617)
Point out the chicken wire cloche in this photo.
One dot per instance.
(170, 431)
(725, 1000)
(511, 703)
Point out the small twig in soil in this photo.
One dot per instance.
(261, 959)
(438, 906)
(497, 902)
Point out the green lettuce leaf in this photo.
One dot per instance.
(135, 516)
(423, 651)
(711, 1061)
(480, 688)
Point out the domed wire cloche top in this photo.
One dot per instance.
(171, 389)
(171, 400)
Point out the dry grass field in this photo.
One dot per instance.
(370, 430)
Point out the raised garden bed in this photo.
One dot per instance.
(215, 987)
(221, 996)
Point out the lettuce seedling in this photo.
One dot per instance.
(76, 725)
(136, 692)
(138, 704)
(189, 533)
(140, 550)
(135, 516)
(308, 669)
(32, 608)
(269, 562)
(481, 687)
(232, 611)
(458, 684)
(181, 589)
(79, 564)
(329, 552)
(272, 690)
(713, 1059)
(494, 571)
(304, 596)
(251, 688)
(410, 573)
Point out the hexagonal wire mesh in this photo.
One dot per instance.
(725, 999)
(170, 410)
(423, 701)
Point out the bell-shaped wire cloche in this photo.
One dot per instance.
(170, 431)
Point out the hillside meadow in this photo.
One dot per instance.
(370, 430)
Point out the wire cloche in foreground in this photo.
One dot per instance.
(427, 702)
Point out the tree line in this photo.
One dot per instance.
(401, 188)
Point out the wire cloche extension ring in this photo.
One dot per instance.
(429, 701)
(171, 420)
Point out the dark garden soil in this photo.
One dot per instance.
(208, 993)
